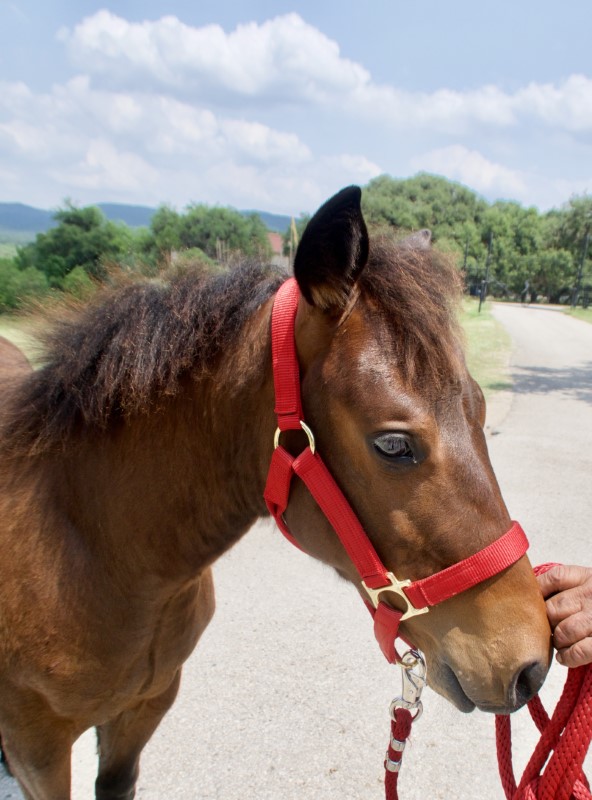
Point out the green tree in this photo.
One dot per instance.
(78, 283)
(525, 253)
(165, 227)
(568, 229)
(424, 201)
(221, 231)
(451, 211)
(83, 237)
(17, 286)
(551, 273)
(526, 246)
(385, 203)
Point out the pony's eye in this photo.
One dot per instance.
(395, 446)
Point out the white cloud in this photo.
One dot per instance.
(283, 58)
(444, 111)
(163, 111)
(568, 188)
(13, 95)
(567, 106)
(495, 180)
(155, 123)
(106, 168)
(264, 144)
(20, 136)
(473, 169)
(360, 167)
(149, 148)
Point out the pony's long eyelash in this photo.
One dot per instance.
(395, 446)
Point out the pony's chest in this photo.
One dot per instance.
(131, 653)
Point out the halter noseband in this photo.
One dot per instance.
(419, 595)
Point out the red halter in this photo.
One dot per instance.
(417, 595)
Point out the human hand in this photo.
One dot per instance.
(568, 594)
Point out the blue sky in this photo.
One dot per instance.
(277, 105)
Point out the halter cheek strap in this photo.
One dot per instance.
(417, 596)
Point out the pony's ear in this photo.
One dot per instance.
(420, 240)
(333, 251)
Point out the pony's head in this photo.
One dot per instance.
(399, 422)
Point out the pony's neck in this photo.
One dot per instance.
(180, 485)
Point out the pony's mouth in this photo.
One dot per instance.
(449, 687)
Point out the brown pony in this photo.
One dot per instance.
(13, 363)
(138, 454)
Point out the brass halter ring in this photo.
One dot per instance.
(307, 431)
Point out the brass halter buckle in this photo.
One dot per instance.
(396, 586)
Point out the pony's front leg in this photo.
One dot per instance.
(38, 754)
(122, 740)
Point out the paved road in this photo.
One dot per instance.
(286, 697)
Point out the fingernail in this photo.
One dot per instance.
(560, 657)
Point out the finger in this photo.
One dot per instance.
(563, 605)
(562, 577)
(573, 629)
(578, 655)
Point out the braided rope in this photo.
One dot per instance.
(565, 739)
(400, 730)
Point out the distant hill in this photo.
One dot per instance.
(19, 218)
(274, 222)
(20, 223)
(134, 216)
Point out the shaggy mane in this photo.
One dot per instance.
(418, 294)
(117, 354)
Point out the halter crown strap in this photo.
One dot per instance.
(286, 374)
(310, 468)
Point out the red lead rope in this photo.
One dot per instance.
(555, 770)
(565, 739)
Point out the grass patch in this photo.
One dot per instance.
(488, 347)
(7, 250)
(580, 313)
(16, 237)
(16, 331)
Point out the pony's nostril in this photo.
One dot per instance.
(527, 683)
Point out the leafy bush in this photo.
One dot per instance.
(83, 238)
(543, 251)
(78, 283)
(17, 286)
